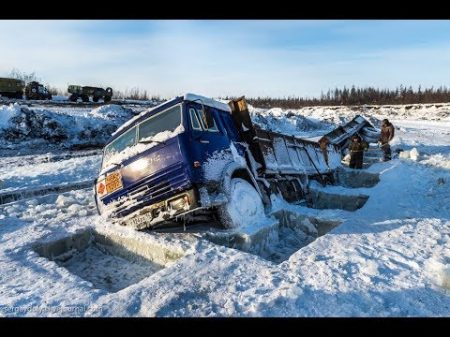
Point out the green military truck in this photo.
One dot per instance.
(11, 87)
(35, 90)
(85, 93)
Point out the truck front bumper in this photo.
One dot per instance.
(168, 210)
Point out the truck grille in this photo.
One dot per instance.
(151, 190)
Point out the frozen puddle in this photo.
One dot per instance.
(109, 263)
(115, 273)
(279, 239)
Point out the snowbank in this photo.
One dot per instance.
(291, 122)
(409, 154)
(6, 113)
(23, 124)
(304, 121)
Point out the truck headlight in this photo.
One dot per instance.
(180, 203)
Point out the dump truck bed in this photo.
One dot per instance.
(284, 154)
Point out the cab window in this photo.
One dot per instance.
(195, 123)
(206, 119)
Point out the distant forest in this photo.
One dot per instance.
(359, 96)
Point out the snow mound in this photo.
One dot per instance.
(289, 122)
(112, 111)
(438, 272)
(22, 124)
(8, 112)
(411, 154)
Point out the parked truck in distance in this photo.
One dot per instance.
(194, 157)
(36, 90)
(11, 88)
(85, 93)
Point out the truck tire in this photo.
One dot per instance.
(73, 98)
(85, 98)
(244, 205)
(107, 99)
(95, 99)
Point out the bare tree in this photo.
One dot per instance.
(133, 93)
(16, 73)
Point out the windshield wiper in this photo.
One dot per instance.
(151, 141)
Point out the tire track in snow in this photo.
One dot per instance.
(9, 197)
(19, 161)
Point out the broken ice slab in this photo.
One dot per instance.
(246, 238)
(275, 240)
(356, 178)
(334, 197)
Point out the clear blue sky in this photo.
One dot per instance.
(218, 58)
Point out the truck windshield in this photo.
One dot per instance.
(167, 120)
(160, 126)
(126, 140)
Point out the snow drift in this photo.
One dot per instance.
(21, 124)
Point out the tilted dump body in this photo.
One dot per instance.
(279, 153)
(342, 134)
(291, 155)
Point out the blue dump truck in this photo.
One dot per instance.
(194, 158)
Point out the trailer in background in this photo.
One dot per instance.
(11, 88)
(85, 93)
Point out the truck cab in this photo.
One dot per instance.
(36, 90)
(153, 167)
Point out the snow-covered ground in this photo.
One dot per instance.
(389, 258)
(16, 178)
(43, 127)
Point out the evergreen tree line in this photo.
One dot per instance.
(359, 96)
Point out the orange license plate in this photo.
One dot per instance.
(113, 182)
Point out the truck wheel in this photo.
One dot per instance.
(85, 98)
(107, 99)
(73, 98)
(95, 99)
(244, 205)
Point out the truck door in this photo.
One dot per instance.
(207, 133)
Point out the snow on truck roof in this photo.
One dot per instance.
(207, 101)
(187, 97)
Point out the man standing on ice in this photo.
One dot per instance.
(356, 151)
(387, 133)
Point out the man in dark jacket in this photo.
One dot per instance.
(387, 133)
(356, 150)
